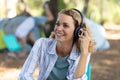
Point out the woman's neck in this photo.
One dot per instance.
(63, 49)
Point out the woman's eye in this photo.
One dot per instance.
(57, 24)
(65, 26)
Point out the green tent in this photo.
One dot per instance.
(2, 43)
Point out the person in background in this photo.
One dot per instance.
(66, 54)
(25, 29)
(49, 12)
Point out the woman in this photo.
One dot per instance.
(51, 14)
(29, 29)
(64, 57)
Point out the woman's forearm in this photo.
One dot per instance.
(81, 67)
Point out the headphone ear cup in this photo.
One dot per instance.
(77, 32)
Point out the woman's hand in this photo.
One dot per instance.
(84, 47)
(84, 41)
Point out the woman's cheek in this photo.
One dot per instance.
(55, 29)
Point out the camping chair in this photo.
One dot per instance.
(89, 71)
(12, 45)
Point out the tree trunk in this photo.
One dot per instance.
(6, 8)
(85, 7)
(53, 7)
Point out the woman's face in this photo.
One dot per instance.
(64, 28)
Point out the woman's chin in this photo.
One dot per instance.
(60, 39)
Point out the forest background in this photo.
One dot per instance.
(105, 64)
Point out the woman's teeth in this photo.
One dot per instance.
(59, 34)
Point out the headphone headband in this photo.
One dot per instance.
(82, 17)
(77, 31)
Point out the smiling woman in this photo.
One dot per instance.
(67, 52)
(64, 28)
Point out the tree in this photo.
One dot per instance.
(85, 7)
(54, 8)
(23, 8)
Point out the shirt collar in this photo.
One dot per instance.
(52, 47)
(73, 55)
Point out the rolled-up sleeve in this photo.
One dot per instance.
(84, 77)
(30, 64)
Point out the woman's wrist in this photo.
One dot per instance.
(85, 54)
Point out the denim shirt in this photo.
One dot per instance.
(44, 55)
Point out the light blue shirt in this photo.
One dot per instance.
(44, 55)
(59, 71)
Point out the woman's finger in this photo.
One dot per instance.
(81, 36)
(84, 32)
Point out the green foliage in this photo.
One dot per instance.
(98, 10)
(61, 5)
(35, 6)
(116, 17)
(104, 11)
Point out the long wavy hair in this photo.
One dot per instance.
(77, 20)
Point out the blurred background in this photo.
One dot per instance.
(104, 13)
